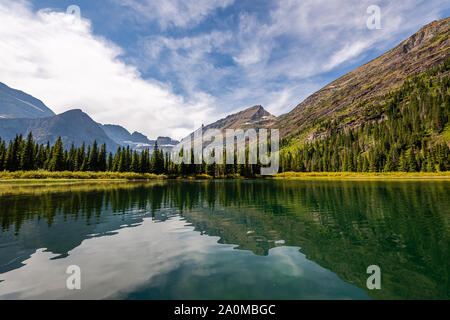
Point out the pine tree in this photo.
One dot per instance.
(57, 159)
(135, 163)
(47, 153)
(93, 162)
(101, 162)
(27, 154)
(157, 161)
(365, 166)
(411, 164)
(121, 166)
(11, 158)
(2, 155)
(109, 166)
(403, 166)
(70, 161)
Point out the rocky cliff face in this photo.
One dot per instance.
(253, 117)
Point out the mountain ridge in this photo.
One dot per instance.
(21, 113)
(72, 126)
(18, 104)
(421, 51)
(342, 102)
(255, 116)
(136, 140)
(424, 49)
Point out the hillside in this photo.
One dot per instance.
(18, 104)
(345, 100)
(390, 114)
(408, 132)
(72, 126)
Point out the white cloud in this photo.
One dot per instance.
(177, 13)
(276, 56)
(347, 52)
(58, 59)
(275, 59)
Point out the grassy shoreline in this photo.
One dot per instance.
(68, 177)
(362, 175)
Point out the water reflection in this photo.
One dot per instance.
(295, 239)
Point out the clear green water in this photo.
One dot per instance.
(226, 240)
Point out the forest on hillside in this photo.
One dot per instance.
(408, 132)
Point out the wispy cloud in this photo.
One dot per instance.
(284, 52)
(58, 59)
(174, 13)
(201, 60)
(350, 50)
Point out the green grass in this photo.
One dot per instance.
(202, 176)
(49, 176)
(68, 177)
(363, 175)
(42, 187)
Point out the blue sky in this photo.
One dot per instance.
(165, 67)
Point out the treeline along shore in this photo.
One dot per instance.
(26, 159)
(406, 134)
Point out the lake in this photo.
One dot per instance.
(260, 239)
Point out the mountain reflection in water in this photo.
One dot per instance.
(258, 239)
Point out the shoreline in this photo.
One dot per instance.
(66, 178)
(363, 176)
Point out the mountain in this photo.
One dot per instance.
(21, 113)
(391, 114)
(18, 104)
(139, 138)
(166, 141)
(72, 126)
(117, 133)
(136, 140)
(345, 99)
(402, 96)
(253, 117)
(123, 137)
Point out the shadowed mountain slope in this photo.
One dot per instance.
(18, 104)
